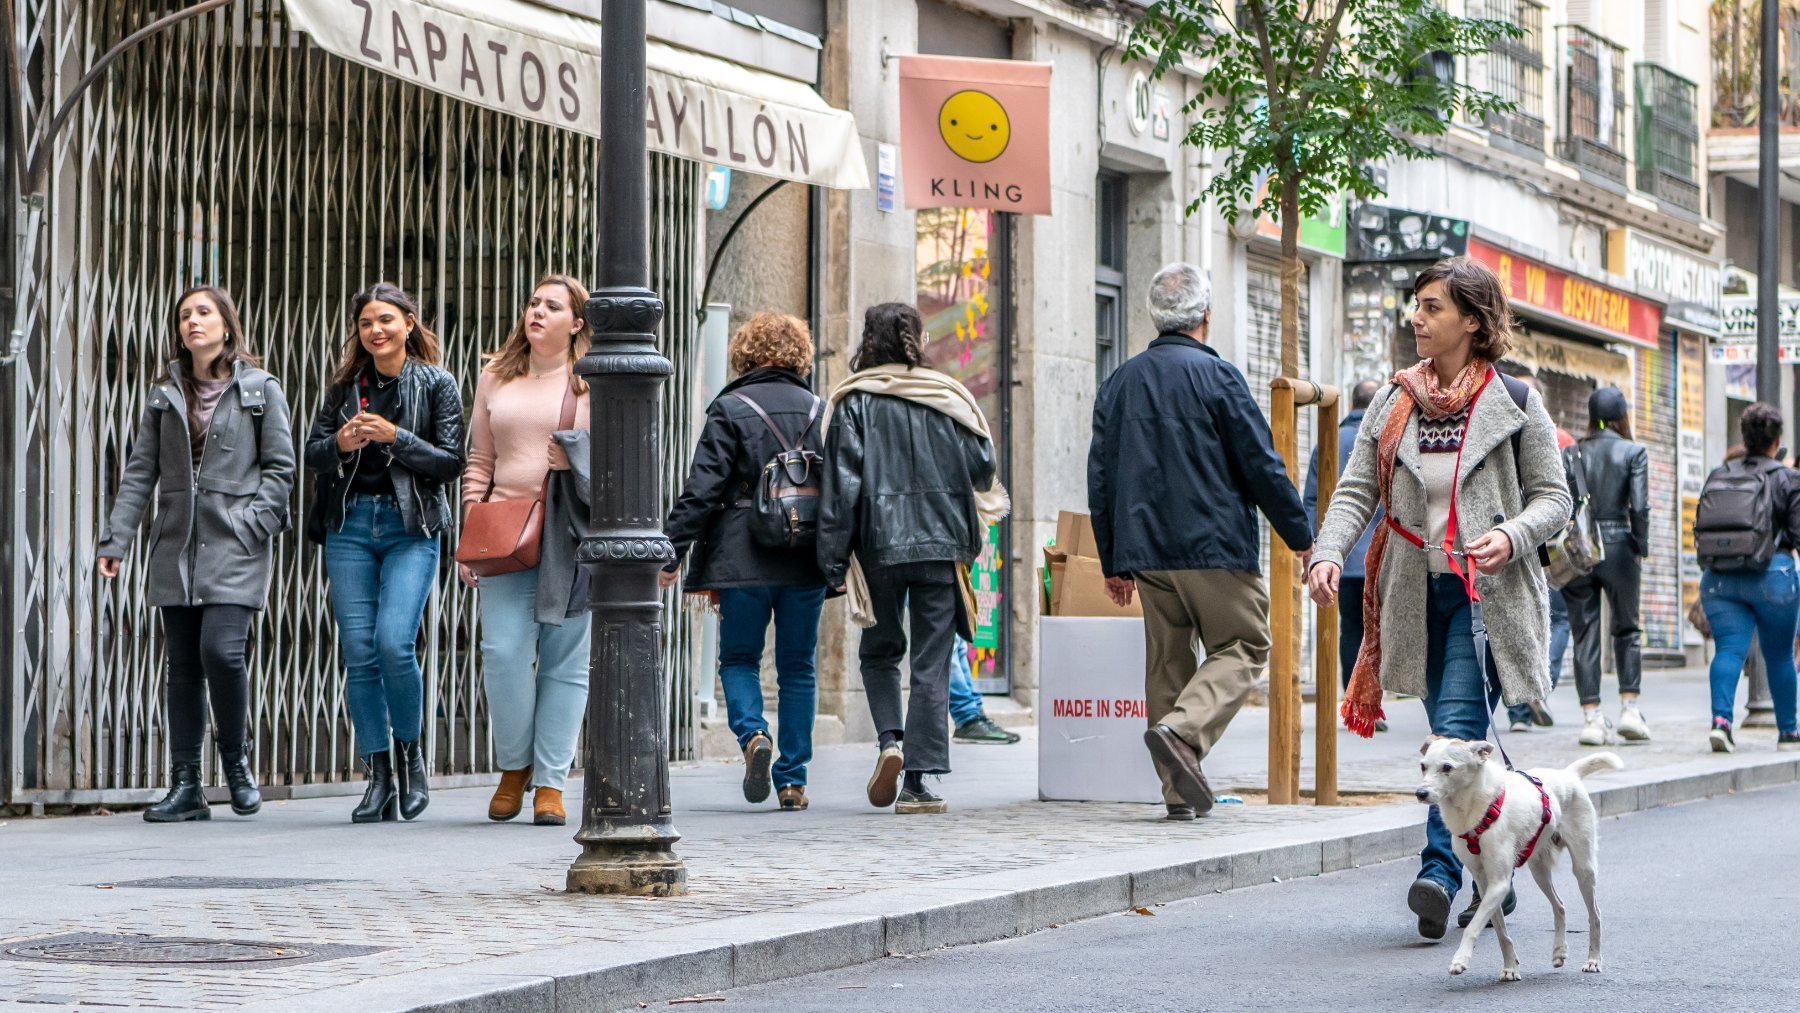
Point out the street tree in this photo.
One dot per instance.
(1307, 95)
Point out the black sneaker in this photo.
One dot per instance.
(1468, 913)
(983, 731)
(1787, 741)
(759, 754)
(1720, 736)
(1181, 813)
(1380, 725)
(920, 801)
(1431, 902)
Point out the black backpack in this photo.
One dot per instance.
(785, 512)
(1734, 528)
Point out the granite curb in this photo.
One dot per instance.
(752, 949)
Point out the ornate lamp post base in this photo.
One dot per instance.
(638, 867)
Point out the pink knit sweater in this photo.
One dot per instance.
(509, 433)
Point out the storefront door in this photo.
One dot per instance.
(963, 295)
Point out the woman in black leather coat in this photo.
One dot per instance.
(1617, 473)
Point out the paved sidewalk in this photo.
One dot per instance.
(456, 907)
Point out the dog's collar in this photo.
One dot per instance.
(1473, 837)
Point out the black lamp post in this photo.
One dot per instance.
(627, 833)
(1768, 180)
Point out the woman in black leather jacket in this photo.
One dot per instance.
(1617, 473)
(386, 443)
(908, 494)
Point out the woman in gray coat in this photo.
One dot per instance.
(214, 448)
(1464, 461)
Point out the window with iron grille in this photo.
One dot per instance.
(1668, 136)
(1593, 134)
(1109, 274)
(1515, 70)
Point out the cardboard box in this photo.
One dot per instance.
(1075, 535)
(1082, 592)
(1091, 716)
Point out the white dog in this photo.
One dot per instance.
(1506, 818)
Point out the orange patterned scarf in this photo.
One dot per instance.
(1419, 388)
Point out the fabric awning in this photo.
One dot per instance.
(544, 65)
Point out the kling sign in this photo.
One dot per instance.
(975, 134)
(544, 65)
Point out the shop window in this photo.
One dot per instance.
(1109, 274)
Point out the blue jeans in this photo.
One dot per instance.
(536, 676)
(1559, 646)
(744, 614)
(1740, 606)
(965, 703)
(1456, 703)
(381, 578)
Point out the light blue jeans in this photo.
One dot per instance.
(965, 703)
(536, 675)
(380, 578)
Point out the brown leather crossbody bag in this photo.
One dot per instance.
(506, 535)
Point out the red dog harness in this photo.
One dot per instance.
(1473, 837)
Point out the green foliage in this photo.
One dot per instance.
(1313, 91)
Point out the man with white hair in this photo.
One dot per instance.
(1180, 461)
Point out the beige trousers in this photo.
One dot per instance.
(1227, 612)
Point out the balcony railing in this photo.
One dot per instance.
(1594, 108)
(1514, 70)
(1668, 136)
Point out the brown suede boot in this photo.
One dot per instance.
(547, 808)
(509, 797)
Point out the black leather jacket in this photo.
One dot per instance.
(1618, 485)
(426, 458)
(900, 482)
(713, 514)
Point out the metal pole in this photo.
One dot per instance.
(1768, 182)
(627, 831)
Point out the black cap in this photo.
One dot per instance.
(1607, 405)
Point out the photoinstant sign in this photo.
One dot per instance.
(975, 134)
(543, 65)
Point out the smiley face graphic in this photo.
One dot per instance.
(974, 125)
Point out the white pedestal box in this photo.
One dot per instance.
(1091, 715)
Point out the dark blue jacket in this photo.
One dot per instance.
(1353, 563)
(1180, 461)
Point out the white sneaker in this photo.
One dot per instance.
(1595, 731)
(1520, 726)
(1632, 726)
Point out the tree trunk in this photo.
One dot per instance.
(1291, 269)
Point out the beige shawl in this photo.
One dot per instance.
(938, 392)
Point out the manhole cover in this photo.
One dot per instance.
(221, 883)
(173, 951)
(159, 951)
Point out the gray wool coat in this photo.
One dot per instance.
(214, 533)
(1527, 499)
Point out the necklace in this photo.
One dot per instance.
(383, 383)
(547, 372)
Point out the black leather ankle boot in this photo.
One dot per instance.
(379, 801)
(245, 799)
(415, 793)
(185, 801)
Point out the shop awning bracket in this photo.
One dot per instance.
(725, 244)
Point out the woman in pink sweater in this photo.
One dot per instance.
(517, 443)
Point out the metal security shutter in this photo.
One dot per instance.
(231, 151)
(1654, 424)
(1263, 361)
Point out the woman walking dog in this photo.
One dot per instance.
(1464, 461)
(215, 450)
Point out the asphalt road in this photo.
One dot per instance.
(1699, 900)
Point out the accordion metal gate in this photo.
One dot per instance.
(230, 151)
